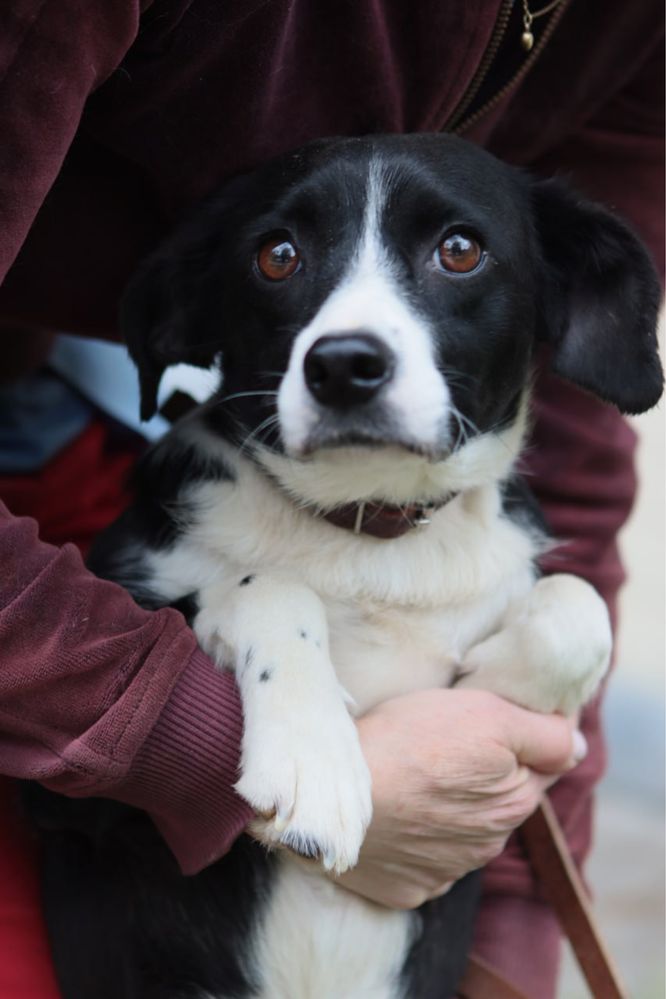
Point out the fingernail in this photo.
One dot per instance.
(579, 746)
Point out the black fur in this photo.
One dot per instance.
(520, 505)
(154, 520)
(123, 921)
(436, 962)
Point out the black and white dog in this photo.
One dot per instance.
(344, 524)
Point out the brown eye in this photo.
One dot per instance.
(458, 253)
(278, 258)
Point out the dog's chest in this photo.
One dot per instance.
(382, 650)
(400, 614)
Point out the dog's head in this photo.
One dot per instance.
(383, 297)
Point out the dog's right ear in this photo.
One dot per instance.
(600, 300)
(166, 317)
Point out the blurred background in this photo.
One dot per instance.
(626, 870)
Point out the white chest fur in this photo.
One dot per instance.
(400, 613)
(302, 608)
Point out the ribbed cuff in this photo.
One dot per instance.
(184, 772)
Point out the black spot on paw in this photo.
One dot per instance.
(302, 633)
(248, 658)
(265, 675)
(246, 580)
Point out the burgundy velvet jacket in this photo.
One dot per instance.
(115, 118)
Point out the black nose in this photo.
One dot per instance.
(345, 369)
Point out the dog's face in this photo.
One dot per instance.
(386, 294)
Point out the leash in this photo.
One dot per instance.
(551, 861)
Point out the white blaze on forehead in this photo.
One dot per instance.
(369, 298)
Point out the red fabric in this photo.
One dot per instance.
(78, 493)
(25, 961)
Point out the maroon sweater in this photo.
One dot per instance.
(114, 122)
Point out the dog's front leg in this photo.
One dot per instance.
(302, 768)
(551, 652)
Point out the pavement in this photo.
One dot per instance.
(626, 869)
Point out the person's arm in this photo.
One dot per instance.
(98, 696)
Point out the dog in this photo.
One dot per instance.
(343, 523)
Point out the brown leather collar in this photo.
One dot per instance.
(382, 521)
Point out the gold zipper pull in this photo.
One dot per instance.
(527, 38)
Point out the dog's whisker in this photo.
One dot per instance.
(265, 426)
(244, 395)
(466, 427)
(453, 376)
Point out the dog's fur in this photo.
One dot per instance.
(319, 622)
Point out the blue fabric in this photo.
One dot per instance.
(104, 373)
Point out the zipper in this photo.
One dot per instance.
(457, 123)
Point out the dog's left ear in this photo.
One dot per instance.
(601, 300)
(166, 315)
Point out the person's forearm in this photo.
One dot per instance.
(98, 696)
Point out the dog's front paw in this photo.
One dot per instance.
(311, 785)
(552, 656)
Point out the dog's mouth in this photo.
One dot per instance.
(367, 440)
(373, 430)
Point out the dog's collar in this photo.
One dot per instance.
(382, 521)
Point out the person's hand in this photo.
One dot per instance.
(454, 772)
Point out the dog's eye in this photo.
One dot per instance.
(458, 253)
(278, 258)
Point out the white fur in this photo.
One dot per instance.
(338, 475)
(301, 763)
(352, 948)
(552, 652)
(369, 299)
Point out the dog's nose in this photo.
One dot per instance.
(343, 370)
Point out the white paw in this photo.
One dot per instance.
(553, 656)
(311, 782)
(208, 626)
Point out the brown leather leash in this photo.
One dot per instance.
(562, 885)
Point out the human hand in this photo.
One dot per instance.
(454, 772)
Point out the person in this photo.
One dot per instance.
(116, 119)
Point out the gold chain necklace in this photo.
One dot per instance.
(527, 39)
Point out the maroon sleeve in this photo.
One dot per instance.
(98, 696)
(53, 54)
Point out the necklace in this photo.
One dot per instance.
(527, 39)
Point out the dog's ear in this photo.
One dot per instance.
(166, 315)
(600, 302)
